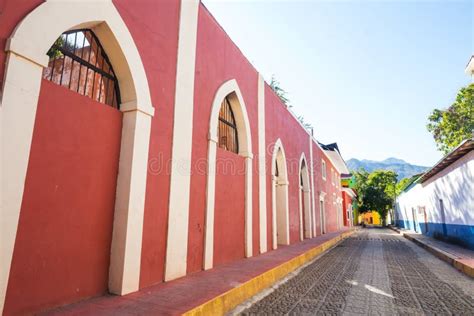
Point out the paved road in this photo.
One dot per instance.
(374, 272)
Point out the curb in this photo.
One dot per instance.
(449, 258)
(225, 302)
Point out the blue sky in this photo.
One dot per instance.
(365, 74)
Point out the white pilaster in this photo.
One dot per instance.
(210, 193)
(311, 171)
(248, 207)
(177, 242)
(262, 174)
(18, 111)
(301, 208)
(274, 213)
(125, 257)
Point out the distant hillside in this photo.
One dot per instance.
(401, 167)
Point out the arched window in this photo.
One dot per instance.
(78, 61)
(227, 133)
(301, 173)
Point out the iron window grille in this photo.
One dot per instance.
(227, 133)
(78, 62)
(301, 173)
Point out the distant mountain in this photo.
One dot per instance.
(401, 167)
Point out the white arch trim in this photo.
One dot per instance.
(245, 149)
(240, 113)
(305, 201)
(278, 147)
(322, 212)
(26, 58)
(313, 202)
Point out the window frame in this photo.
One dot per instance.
(231, 125)
(323, 169)
(100, 51)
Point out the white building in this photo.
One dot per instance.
(440, 203)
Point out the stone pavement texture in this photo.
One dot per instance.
(374, 272)
(461, 258)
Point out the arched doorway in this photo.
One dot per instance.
(322, 212)
(281, 231)
(233, 135)
(304, 200)
(27, 57)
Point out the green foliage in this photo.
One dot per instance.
(402, 184)
(454, 124)
(376, 191)
(282, 94)
(54, 51)
(305, 124)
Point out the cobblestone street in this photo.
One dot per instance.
(375, 272)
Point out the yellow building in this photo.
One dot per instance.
(370, 218)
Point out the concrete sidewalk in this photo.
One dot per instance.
(215, 291)
(461, 258)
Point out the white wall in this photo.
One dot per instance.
(454, 185)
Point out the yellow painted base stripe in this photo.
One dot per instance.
(223, 303)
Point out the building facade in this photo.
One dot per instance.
(440, 203)
(370, 218)
(138, 146)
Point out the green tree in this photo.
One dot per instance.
(381, 194)
(361, 180)
(402, 184)
(376, 191)
(452, 125)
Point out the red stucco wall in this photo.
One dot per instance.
(229, 211)
(280, 124)
(346, 200)
(62, 248)
(217, 60)
(327, 187)
(66, 135)
(154, 28)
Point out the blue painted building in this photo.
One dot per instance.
(440, 202)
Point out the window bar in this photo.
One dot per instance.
(80, 64)
(64, 59)
(72, 72)
(96, 54)
(107, 99)
(94, 89)
(100, 87)
(85, 81)
(90, 50)
(52, 69)
(72, 62)
(113, 95)
(106, 89)
(75, 43)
